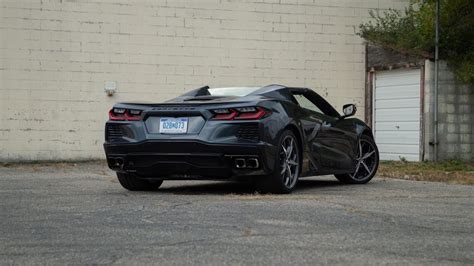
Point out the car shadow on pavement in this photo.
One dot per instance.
(241, 188)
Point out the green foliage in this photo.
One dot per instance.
(413, 32)
(442, 166)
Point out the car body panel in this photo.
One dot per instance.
(207, 150)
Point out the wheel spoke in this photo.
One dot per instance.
(367, 155)
(294, 157)
(366, 167)
(284, 150)
(289, 149)
(356, 170)
(292, 162)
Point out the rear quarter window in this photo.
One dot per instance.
(307, 104)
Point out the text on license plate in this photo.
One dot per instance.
(173, 125)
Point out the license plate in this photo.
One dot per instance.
(170, 125)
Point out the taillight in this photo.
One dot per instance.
(224, 114)
(239, 113)
(122, 114)
(133, 115)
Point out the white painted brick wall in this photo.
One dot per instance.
(56, 55)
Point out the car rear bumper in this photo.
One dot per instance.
(190, 159)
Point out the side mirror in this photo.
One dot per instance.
(348, 110)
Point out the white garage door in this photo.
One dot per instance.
(397, 114)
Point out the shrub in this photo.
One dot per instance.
(412, 31)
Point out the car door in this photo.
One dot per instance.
(330, 139)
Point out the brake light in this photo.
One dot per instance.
(224, 114)
(121, 114)
(240, 113)
(133, 115)
(254, 115)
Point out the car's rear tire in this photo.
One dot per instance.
(287, 167)
(367, 163)
(133, 183)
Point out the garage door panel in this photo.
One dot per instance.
(398, 77)
(399, 148)
(397, 114)
(400, 92)
(395, 137)
(397, 126)
(395, 151)
(397, 81)
(397, 104)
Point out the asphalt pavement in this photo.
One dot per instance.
(79, 214)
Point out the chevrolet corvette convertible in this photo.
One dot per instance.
(270, 136)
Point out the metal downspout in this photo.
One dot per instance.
(436, 85)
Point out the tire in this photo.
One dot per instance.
(133, 183)
(361, 175)
(280, 182)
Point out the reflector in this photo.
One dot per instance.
(135, 112)
(246, 109)
(119, 110)
(221, 111)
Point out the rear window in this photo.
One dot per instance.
(232, 91)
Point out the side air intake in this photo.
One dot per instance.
(248, 131)
(113, 133)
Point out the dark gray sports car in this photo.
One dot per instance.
(269, 135)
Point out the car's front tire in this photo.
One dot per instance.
(133, 183)
(366, 165)
(287, 168)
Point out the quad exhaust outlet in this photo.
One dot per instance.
(246, 163)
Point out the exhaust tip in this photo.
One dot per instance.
(111, 161)
(240, 163)
(252, 163)
(119, 162)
